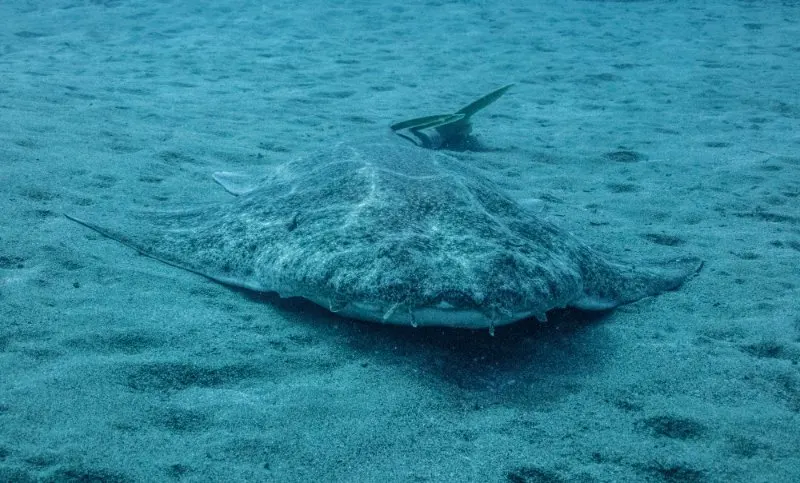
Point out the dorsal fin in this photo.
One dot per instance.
(235, 183)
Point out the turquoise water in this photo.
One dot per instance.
(645, 128)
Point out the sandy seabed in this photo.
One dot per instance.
(647, 128)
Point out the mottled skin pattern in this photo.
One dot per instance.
(398, 229)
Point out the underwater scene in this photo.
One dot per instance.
(433, 241)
